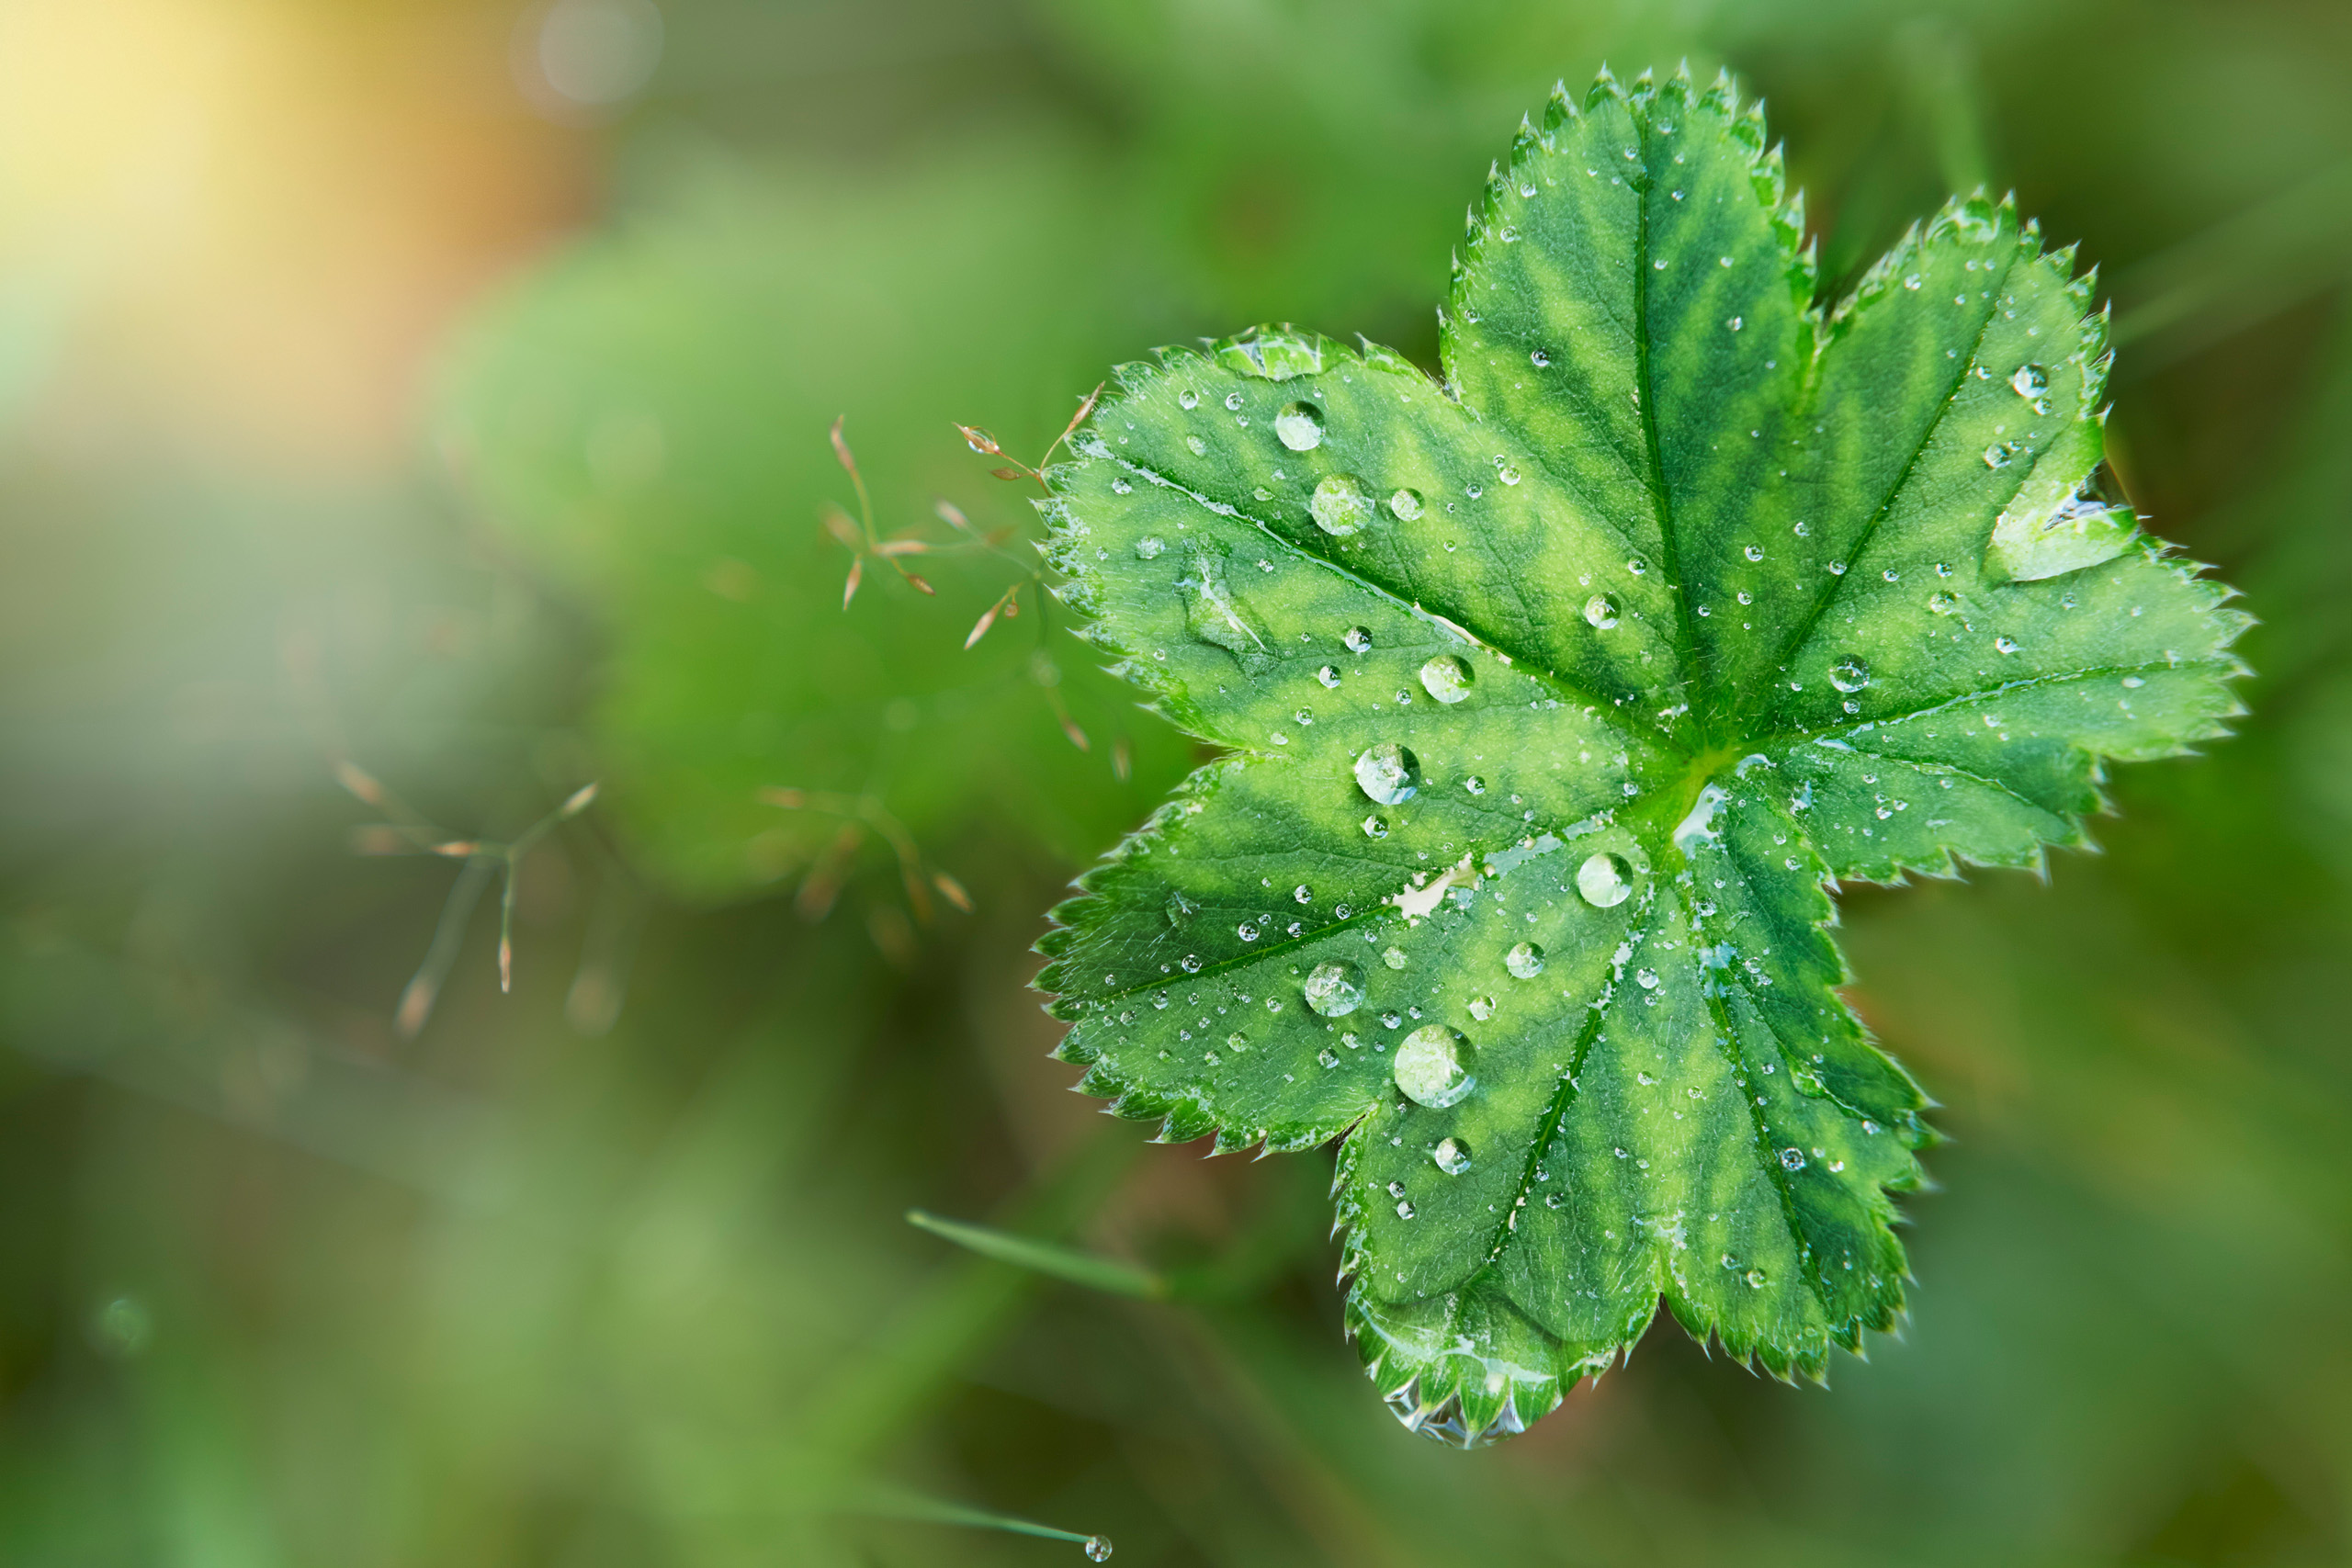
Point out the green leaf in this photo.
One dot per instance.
(1559, 698)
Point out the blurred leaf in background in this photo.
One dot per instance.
(364, 399)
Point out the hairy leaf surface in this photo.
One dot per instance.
(1558, 697)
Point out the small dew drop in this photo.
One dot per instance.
(1525, 962)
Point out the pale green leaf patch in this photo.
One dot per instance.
(1559, 695)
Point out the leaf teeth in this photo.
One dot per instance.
(1560, 109)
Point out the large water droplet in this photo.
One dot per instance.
(1098, 1549)
(1604, 880)
(1388, 773)
(2030, 382)
(1151, 546)
(1358, 639)
(1446, 678)
(1791, 1159)
(1601, 610)
(1481, 1007)
(1188, 401)
(1851, 675)
(2092, 524)
(1334, 990)
(1211, 614)
(1525, 961)
(1340, 505)
(1329, 675)
(1374, 828)
(1300, 427)
(1432, 1066)
(1453, 1155)
(1394, 957)
(1406, 504)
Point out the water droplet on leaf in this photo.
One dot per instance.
(1340, 505)
(1432, 1066)
(1300, 427)
(1604, 880)
(1446, 678)
(1389, 773)
(1334, 990)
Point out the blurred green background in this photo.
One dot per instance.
(441, 389)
